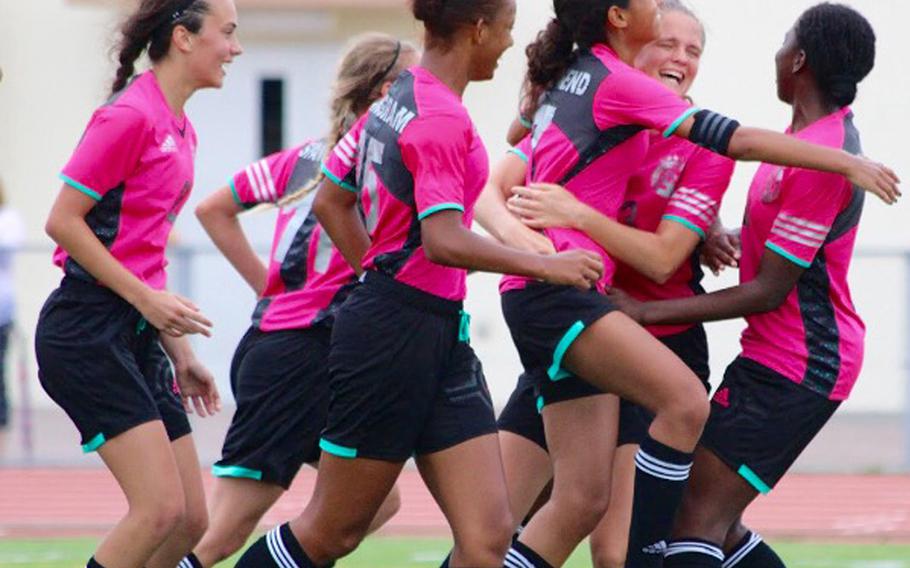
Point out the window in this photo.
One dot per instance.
(272, 124)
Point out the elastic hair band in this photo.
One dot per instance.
(181, 11)
(713, 131)
(394, 60)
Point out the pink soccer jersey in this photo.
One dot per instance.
(682, 183)
(135, 160)
(420, 154)
(589, 135)
(810, 218)
(307, 277)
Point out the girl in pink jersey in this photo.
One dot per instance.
(279, 372)
(589, 134)
(404, 379)
(670, 205)
(98, 335)
(803, 346)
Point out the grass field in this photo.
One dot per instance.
(389, 552)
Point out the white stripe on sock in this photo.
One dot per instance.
(737, 556)
(517, 560)
(684, 547)
(661, 472)
(278, 551)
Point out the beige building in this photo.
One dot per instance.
(56, 71)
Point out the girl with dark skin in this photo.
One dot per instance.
(785, 257)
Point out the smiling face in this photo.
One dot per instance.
(215, 46)
(674, 58)
(492, 40)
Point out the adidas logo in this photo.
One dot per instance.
(656, 548)
(169, 146)
(722, 397)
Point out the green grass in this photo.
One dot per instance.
(385, 552)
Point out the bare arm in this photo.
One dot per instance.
(493, 215)
(168, 312)
(446, 241)
(759, 145)
(656, 255)
(776, 277)
(336, 209)
(218, 215)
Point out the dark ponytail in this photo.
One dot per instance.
(840, 49)
(150, 28)
(580, 23)
(442, 18)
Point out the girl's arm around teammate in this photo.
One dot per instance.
(218, 215)
(170, 313)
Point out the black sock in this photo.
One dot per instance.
(445, 563)
(277, 548)
(190, 562)
(661, 473)
(692, 553)
(521, 556)
(753, 552)
(92, 563)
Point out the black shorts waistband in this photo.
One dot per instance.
(411, 296)
(89, 290)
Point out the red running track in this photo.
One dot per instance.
(62, 502)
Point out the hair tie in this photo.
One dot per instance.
(394, 60)
(181, 10)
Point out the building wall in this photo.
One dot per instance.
(53, 54)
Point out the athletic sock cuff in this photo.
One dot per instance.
(522, 556)
(745, 546)
(191, 561)
(663, 461)
(694, 546)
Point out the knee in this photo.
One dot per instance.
(690, 413)
(485, 544)
(161, 518)
(342, 541)
(605, 557)
(583, 505)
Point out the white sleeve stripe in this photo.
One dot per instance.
(254, 183)
(695, 195)
(344, 159)
(349, 138)
(702, 206)
(707, 218)
(796, 229)
(797, 239)
(346, 147)
(263, 186)
(269, 180)
(805, 223)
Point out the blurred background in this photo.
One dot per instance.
(57, 69)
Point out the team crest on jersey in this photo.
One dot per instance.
(666, 175)
(772, 188)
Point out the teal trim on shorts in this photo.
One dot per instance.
(556, 372)
(236, 471)
(687, 224)
(464, 327)
(754, 480)
(440, 207)
(336, 450)
(520, 154)
(340, 183)
(789, 256)
(540, 404)
(676, 123)
(78, 186)
(525, 122)
(94, 444)
(141, 325)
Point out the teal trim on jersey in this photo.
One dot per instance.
(440, 207)
(676, 123)
(525, 122)
(141, 325)
(464, 327)
(340, 183)
(236, 471)
(540, 404)
(789, 256)
(520, 154)
(78, 186)
(336, 450)
(94, 444)
(754, 480)
(687, 224)
(556, 372)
